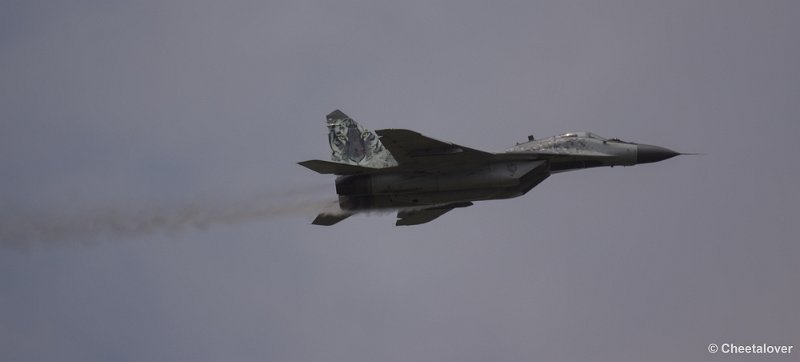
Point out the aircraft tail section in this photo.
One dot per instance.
(353, 144)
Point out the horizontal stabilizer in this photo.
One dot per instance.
(336, 168)
(329, 219)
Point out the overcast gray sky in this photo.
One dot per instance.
(156, 116)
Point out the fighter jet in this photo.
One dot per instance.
(423, 178)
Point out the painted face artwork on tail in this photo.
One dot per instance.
(355, 145)
(423, 178)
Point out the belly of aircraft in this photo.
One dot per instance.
(411, 189)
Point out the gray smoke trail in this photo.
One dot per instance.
(32, 229)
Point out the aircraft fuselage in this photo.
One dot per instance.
(424, 178)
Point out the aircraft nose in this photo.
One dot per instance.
(650, 153)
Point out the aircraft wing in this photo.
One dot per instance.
(411, 147)
(421, 216)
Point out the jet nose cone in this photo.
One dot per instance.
(650, 153)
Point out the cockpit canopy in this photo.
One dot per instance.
(582, 135)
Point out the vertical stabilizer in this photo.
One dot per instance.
(355, 145)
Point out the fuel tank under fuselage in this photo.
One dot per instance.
(497, 180)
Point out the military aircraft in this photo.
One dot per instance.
(423, 178)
